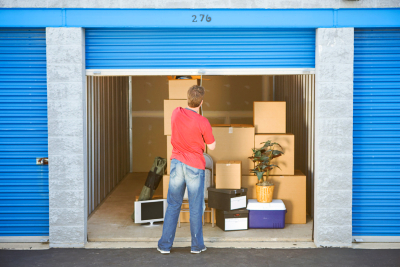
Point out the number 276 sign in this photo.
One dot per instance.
(201, 18)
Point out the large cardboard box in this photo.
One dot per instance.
(269, 116)
(290, 188)
(234, 142)
(169, 106)
(185, 217)
(286, 161)
(178, 88)
(169, 154)
(228, 174)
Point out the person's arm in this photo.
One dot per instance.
(211, 146)
(208, 135)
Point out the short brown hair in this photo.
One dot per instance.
(195, 95)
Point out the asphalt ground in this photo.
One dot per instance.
(212, 257)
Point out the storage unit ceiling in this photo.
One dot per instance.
(376, 133)
(199, 48)
(24, 198)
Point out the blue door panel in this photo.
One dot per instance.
(376, 133)
(24, 191)
(199, 48)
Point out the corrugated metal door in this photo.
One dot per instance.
(199, 48)
(24, 193)
(376, 136)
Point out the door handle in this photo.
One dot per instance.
(42, 161)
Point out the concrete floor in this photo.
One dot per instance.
(112, 222)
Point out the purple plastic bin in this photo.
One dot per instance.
(266, 215)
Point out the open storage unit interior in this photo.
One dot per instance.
(125, 116)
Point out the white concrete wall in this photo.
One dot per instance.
(67, 180)
(333, 136)
(200, 3)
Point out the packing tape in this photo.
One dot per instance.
(230, 129)
(228, 164)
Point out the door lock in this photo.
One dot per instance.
(42, 161)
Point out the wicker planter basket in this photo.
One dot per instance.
(264, 193)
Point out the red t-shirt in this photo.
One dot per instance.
(190, 131)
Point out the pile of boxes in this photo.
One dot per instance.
(235, 186)
(232, 165)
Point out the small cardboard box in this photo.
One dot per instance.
(234, 142)
(185, 217)
(290, 188)
(169, 106)
(228, 174)
(169, 154)
(285, 161)
(178, 88)
(269, 116)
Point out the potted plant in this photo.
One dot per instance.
(262, 158)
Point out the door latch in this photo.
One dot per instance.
(42, 161)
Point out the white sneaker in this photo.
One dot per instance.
(197, 252)
(163, 251)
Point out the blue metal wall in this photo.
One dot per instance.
(24, 193)
(199, 48)
(376, 135)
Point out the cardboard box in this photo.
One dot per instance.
(169, 106)
(169, 153)
(269, 116)
(178, 88)
(228, 174)
(290, 188)
(286, 161)
(185, 217)
(234, 142)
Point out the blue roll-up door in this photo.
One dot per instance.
(376, 136)
(24, 193)
(199, 48)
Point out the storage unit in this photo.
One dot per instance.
(266, 215)
(228, 174)
(235, 142)
(376, 139)
(24, 197)
(291, 189)
(269, 116)
(286, 160)
(227, 199)
(233, 220)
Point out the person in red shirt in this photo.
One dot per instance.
(190, 131)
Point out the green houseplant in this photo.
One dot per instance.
(262, 158)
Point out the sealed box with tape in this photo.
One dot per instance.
(228, 174)
(234, 142)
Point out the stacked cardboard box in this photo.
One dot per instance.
(290, 186)
(234, 142)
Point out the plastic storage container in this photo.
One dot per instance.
(233, 220)
(266, 215)
(227, 199)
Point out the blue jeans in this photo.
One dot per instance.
(182, 176)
